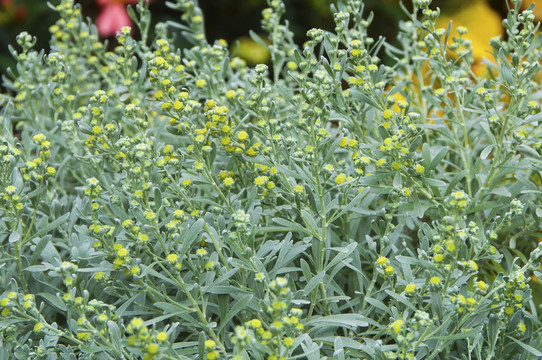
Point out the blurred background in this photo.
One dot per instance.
(232, 20)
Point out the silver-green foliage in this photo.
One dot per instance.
(170, 203)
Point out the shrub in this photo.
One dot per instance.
(177, 204)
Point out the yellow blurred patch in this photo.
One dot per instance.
(252, 52)
(398, 96)
(537, 11)
(482, 23)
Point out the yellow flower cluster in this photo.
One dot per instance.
(383, 263)
(277, 327)
(149, 342)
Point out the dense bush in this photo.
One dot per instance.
(177, 204)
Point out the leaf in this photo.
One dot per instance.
(364, 98)
(295, 174)
(313, 283)
(305, 268)
(324, 62)
(309, 220)
(37, 268)
(49, 253)
(291, 226)
(221, 279)
(350, 205)
(36, 192)
(409, 260)
(14, 237)
(53, 300)
(436, 303)
(433, 182)
(352, 321)
(36, 252)
(235, 309)
(8, 128)
(493, 332)
(343, 253)
(378, 304)
(258, 39)
(158, 319)
(457, 178)
(44, 230)
(484, 206)
(438, 158)
(311, 351)
(191, 236)
(415, 144)
(149, 270)
(397, 180)
(426, 154)
(338, 352)
(487, 150)
(458, 336)
(90, 349)
(401, 299)
(418, 209)
(120, 311)
(114, 331)
(226, 290)
(7, 322)
(158, 198)
(346, 341)
(507, 74)
(288, 252)
(501, 191)
(169, 308)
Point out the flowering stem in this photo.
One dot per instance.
(210, 178)
(216, 244)
(180, 282)
(17, 250)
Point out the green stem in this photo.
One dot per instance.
(17, 250)
(180, 283)
(217, 245)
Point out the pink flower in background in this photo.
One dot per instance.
(113, 16)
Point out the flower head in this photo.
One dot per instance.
(410, 288)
